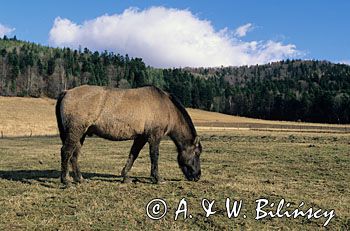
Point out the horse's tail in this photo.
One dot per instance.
(59, 117)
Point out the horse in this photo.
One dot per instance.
(144, 115)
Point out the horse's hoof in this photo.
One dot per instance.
(127, 180)
(79, 180)
(65, 185)
(157, 180)
(64, 181)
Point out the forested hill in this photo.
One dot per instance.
(315, 91)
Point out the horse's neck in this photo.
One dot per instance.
(182, 136)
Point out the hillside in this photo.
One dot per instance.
(23, 116)
(292, 90)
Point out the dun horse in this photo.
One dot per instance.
(144, 114)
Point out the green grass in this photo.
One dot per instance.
(245, 165)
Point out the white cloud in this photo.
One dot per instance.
(243, 30)
(166, 37)
(4, 30)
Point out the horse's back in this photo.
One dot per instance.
(135, 111)
(117, 113)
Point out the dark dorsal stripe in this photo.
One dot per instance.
(185, 114)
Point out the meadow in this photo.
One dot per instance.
(296, 164)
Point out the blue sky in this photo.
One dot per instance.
(274, 29)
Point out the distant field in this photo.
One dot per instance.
(36, 117)
(27, 116)
(212, 120)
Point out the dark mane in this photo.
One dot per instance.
(183, 111)
(154, 88)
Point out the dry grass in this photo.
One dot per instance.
(27, 116)
(247, 165)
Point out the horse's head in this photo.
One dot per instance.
(189, 160)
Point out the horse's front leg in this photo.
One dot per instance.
(138, 144)
(154, 154)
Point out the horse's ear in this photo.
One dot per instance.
(198, 146)
(196, 141)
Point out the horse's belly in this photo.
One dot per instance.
(116, 131)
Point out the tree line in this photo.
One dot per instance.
(295, 90)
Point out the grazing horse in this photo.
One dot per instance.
(144, 114)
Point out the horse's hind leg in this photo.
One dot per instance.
(66, 153)
(138, 144)
(77, 177)
(67, 150)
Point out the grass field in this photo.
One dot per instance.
(298, 162)
(241, 165)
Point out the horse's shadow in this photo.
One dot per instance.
(48, 177)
